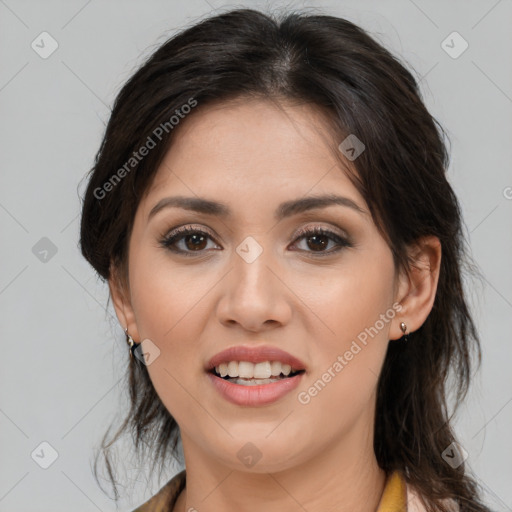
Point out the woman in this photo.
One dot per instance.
(270, 208)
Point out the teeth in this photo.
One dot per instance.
(233, 369)
(275, 368)
(261, 370)
(286, 369)
(222, 369)
(247, 370)
(254, 382)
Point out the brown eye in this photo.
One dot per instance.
(317, 242)
(317, 239)
(192, 240)
(195, 242)
(188, 240)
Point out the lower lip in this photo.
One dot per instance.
(254, 395)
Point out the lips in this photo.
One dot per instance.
(254, 355)
(250, 393)
(255, 396)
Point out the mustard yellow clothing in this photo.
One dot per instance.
(395, 497)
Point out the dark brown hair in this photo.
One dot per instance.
(336, 67)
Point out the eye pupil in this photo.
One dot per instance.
(196, 244)
(322, 244)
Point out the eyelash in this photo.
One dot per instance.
(179, 233)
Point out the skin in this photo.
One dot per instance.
(252, 156)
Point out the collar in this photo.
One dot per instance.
(394, 497)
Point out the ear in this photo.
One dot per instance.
(417, 287)
(120, 293)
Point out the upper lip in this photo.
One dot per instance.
(254, 355)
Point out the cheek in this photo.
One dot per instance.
(350, 336)
(347, 301)
(169, 312)
(164, 295)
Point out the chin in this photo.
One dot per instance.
(259, 455)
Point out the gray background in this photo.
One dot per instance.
(63, 357)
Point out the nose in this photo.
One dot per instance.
(254, 296)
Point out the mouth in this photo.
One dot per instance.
(252, 376)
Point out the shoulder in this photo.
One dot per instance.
(165, 498)
(415, 503)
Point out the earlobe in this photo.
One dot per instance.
(417, 289)
(122, 303)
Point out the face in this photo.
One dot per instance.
(254, 273)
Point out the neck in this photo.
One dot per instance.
(343, 478)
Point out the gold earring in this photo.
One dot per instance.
(403, 328)
(130, 341)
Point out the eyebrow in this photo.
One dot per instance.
(284, 210)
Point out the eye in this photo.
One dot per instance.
(318, 238)
(194, 240)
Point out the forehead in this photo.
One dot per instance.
(254, 148)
